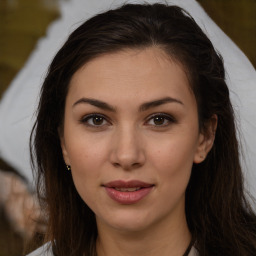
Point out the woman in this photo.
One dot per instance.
(135, 143)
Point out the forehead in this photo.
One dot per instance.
(147, 73)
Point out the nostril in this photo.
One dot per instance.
(136, 164)
(116, 164)
(130, 166)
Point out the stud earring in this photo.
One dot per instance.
(68, 167)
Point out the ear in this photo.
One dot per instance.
(63, 147)
(206, 139)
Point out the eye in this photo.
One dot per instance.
(94, 120)
(160, 120)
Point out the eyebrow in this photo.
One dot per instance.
(145, 106)
(96, 103)
(155, 103)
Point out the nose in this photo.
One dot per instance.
(127, 149)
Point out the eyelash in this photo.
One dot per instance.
(167, 117)
(86, 118)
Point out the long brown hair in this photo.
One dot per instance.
(218, 214)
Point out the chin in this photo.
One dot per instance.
(128, 221)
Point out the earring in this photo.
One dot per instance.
(68, 167)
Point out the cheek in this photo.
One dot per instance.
(173, 159)
(172, 151)
(86, 151)
(87, 157)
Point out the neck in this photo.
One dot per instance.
(160, 239)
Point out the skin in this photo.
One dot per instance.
(129, 144)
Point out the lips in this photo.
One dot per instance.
(128, 192)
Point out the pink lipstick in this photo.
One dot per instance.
(128, 192)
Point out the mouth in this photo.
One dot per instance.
(121, 184)
(128, 192)
(127, 189)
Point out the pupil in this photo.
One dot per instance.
(97, 120)
(158, 120)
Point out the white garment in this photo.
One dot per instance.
(45, 250)
(193, 252)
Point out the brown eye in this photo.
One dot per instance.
(97, 120)
(94, 120)
(159, 120)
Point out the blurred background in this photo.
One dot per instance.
(23, 22)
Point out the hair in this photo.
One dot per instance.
(218, 214)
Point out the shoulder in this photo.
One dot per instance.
(45, 250)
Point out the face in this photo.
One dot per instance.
(131, 136)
